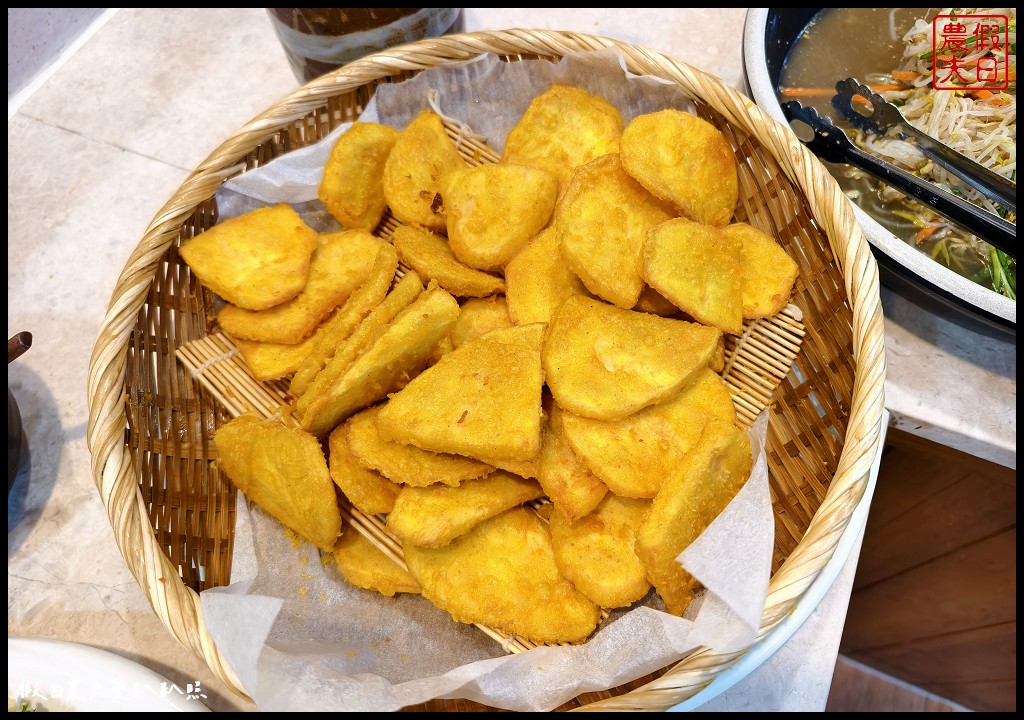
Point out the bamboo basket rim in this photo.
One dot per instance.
(178, 606)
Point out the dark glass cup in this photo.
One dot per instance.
(318, 40)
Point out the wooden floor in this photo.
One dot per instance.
(858, 688)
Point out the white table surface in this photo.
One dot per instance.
(111, 134)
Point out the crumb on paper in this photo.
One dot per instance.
(304, 560)
(302, 591)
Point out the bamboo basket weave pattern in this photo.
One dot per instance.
(151, 422)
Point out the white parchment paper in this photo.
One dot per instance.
(300, 638)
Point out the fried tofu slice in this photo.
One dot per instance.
(341, 264)
(282, 470)
(330, 335)
(366, 333)
(432, 517)
(502, 573)
(478, 317)
(573, 489)
(633, 456)
(564, 127)
(768, 272)
(538, 280)
(601, 222)
(271, 361)
(352, 187)
(493, 210)
(366, 566)
(606, 363)
(697, 267)
(388, 364)
(432, 259)
(684, 161)
(706, 480)
(482, 400)
(406, 464)
(254, 261)
(422, 155)
(370, 492)
(596, 553)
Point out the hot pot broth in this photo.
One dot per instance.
(870, 44)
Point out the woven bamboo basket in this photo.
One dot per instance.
(151, 422)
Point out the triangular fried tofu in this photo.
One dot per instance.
(702, 485)
(769, 273)
(502, 573)
(538, 280)
(697, 267)
(283, 470)
(430, 256)
(256, 260)
(596, 552)
(396, 356)
(369, 491)
(366, 566)
(573, 489)
(606, 363)
(635, 455)
(481, 400)
(434, 516)
(407, 464)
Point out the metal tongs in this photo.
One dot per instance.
(831, 144)
(883, 116)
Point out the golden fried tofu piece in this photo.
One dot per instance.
(697, 267)
(633, 456)
(431, 258)
(366, 566)
(523, 468)
(601, 222)
(352, 186)
(565, 478)
(327, 338)
(606, 363)
(684, 161)
(406, 464)
(768, 272)
(538, 280)
(502, 573)
(256, 260)
(493, 210)
(422, 155)
(564, 127)
(596, 552)
(397, 355)
(702, 485)
(433, 516)
(282, 470)
(652, 301)
(481, 400)
(480, 316)
(341, 264)
(270, 361)
(370, 492)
